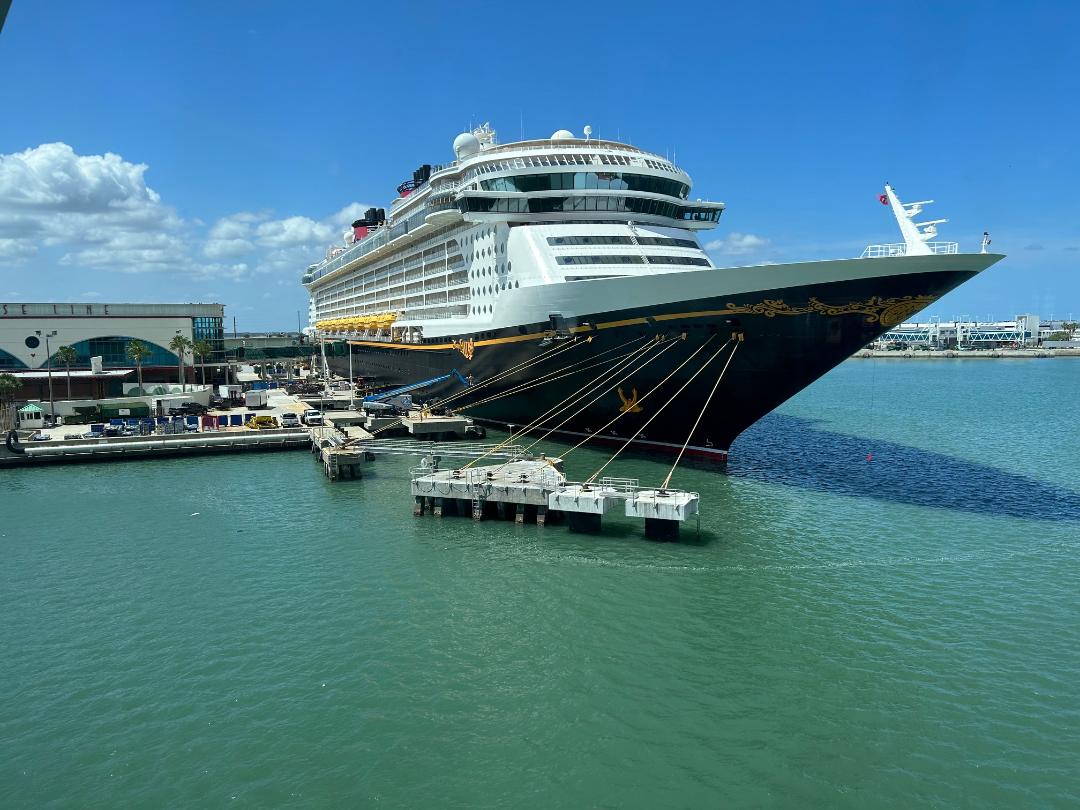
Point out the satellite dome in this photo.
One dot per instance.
(562, 135)
(466, 145)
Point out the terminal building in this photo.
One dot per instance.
(31, 334)
(1025, 331)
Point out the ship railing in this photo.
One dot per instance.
(386, 233)
(900, 249)
(449, 205)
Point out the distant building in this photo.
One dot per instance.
(1023, 331)
(105, 331)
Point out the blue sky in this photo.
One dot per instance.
(209, 151)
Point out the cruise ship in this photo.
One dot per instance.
(532, 267)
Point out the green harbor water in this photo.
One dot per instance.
(843, 632)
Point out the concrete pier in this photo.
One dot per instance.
(584, 505)
(16, 453)
(663, 510)
(434, 427)
(503, 491)
(528, 490)
(341, 458)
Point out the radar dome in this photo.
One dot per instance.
(466, 145)
(562, 135)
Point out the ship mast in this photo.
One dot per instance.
(916, 234)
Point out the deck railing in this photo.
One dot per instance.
(900, 249)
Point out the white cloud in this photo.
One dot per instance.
(349, 214)
(225, 272)
(96, 213)
(293, 231)
(16, 251)
(231, 236)
(98, 206)
(737, 244)
(227, 248)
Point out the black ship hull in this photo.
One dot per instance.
(783, 339)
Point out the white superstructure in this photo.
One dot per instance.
(464, 244)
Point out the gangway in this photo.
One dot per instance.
(457, 450)
(405, 389)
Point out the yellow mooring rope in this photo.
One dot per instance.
(565, 371)
(651, 391)
(697, 421)
(608, 389)
(661, 408)
(501, 375)
(555, 408)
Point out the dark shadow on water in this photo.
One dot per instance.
(791, 450)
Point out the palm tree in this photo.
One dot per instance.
(67, 356)
(8, 386)
(179, 345)
(137, 351)
(202, 350)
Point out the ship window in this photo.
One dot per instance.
(555, 181)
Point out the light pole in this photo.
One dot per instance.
(180, 356)
(48, 363)
(352, 387)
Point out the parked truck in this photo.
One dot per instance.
(256, 399)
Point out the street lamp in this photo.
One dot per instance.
(180, 356)
(352, 386)
(48, 363)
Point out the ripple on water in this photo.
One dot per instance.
(841, 632)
